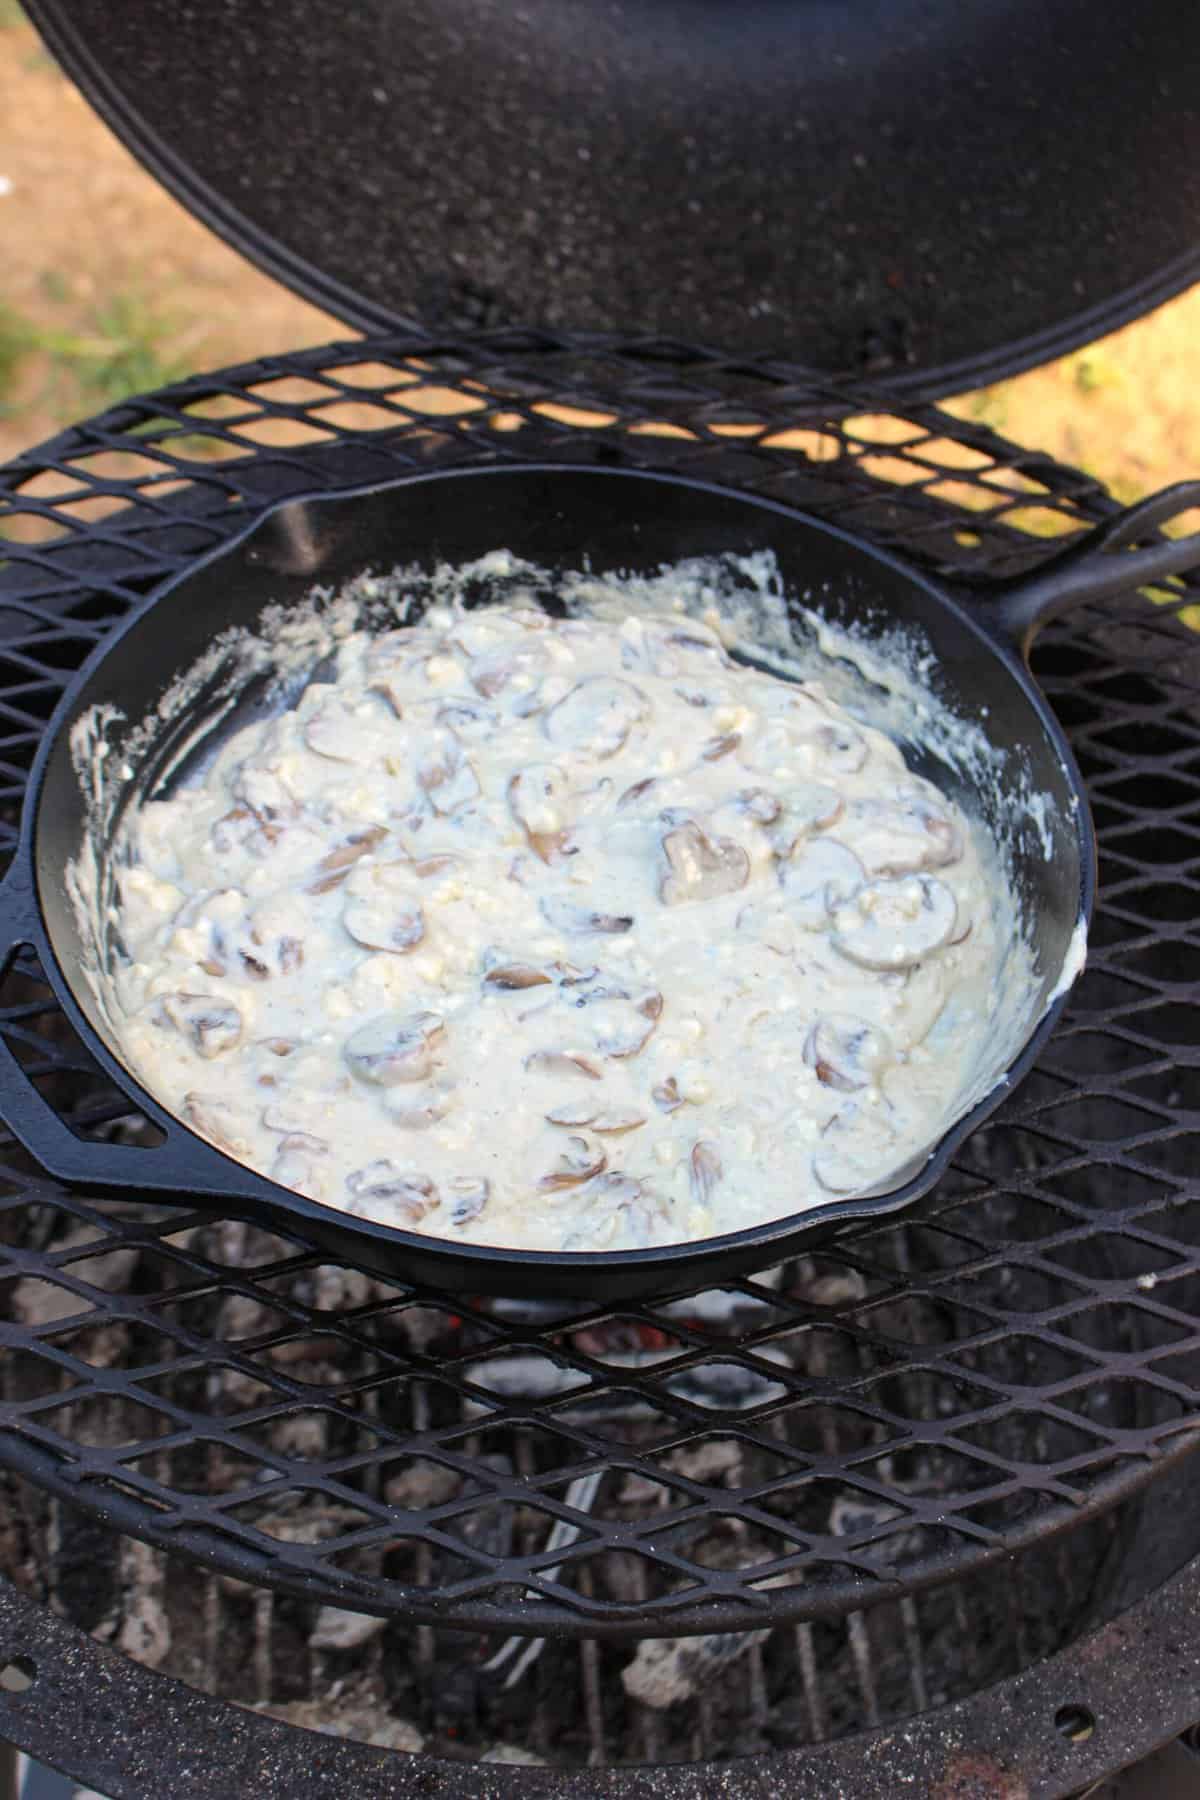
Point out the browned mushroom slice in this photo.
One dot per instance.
(718, 748)
(212, 1025)
(253, 966)
(388, 691)
(846, 1053)
(446, 776)
(215, 1120)
(380, 924)
(394, 1048)
(564, 915)
(621, 1028)
(381, 1184)
(562, 1062)
(469, 1195)
(537, 799)
(578, 1163)
(823, 872)
(334, 867)
(666, 1095)
(904, 834)
(514, 977)
(895, 924)
(596, 718)
(638, 791)
(704, 1171)
(843, 749)
(699, 867)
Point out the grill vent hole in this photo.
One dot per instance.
(18, 1675)
(1075, 1723)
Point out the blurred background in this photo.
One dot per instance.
(107, 287)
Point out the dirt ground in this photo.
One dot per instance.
(107, 285)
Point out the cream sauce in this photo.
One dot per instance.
(561, 934)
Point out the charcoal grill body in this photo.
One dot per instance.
(1000, 1398)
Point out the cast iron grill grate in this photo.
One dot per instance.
(898, 1413)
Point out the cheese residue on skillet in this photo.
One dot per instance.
(560, 934)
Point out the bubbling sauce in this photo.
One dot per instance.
(560, 934)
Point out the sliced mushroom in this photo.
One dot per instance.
(578, 1163)
(537, 799)
(334, 867)
(514, 977)
(562, 1062)
(564, 915)
(264, 793)
(846, 1053)
(335, 732)
(666, 1095)
(494, 670)
(409, 1193)
(596, 718)
(468, 720)
(621, 1028)
(417, 1112)
(279, 1118)
(719, 747)
(446, 776)
(758, 804)
(699, 867)
(843, 749)
(469, 1195)
(242, 829)
(903, 834)
(394, 1048)
(295, 1167)
(214, 1026)
(617, 1121)
(895, 924)
(849, 1159)
(637, 792)
(821, 874)
(573, 1114)
(811, 808)
(215, 1120)
(704, 1171)
(378, 924)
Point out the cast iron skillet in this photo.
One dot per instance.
(557, 516)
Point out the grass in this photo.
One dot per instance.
(11, 14)
(124, 347)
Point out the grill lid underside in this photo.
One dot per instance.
(932, 194)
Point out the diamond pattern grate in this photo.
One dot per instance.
(896, 1413)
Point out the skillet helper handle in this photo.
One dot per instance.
(181, 1169)
(1097, 566)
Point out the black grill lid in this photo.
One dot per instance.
(935, 193)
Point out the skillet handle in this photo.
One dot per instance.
(1097, 566)
(181, 1169)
